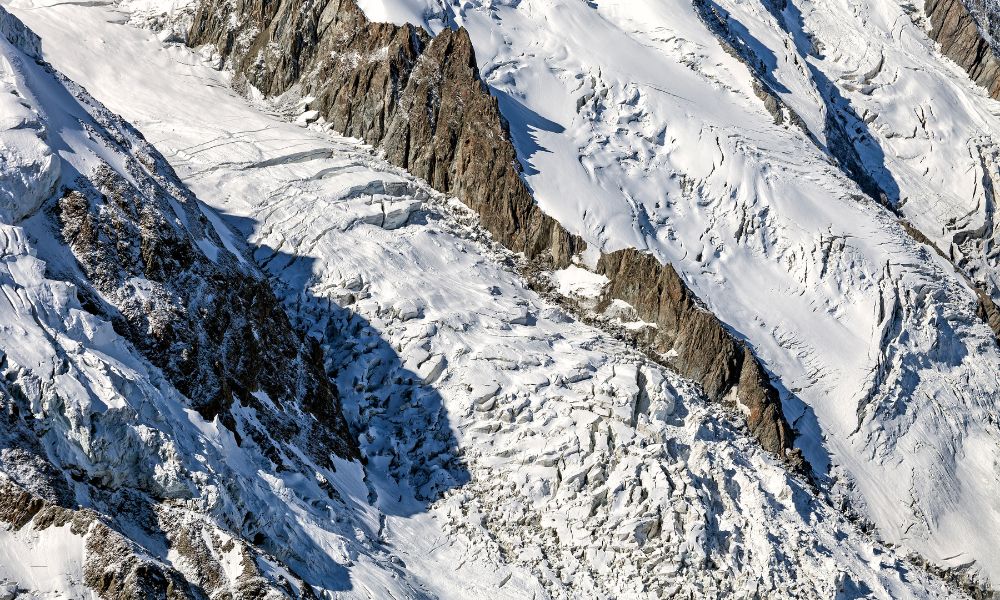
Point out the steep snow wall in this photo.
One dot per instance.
(30, 169)
(19, 35)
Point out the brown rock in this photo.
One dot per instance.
(988, 311)
(700, 346)
(419, 99)
(422, 102)
(955, 28)
(114, 567)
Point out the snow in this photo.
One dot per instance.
(426, 13)
(579, 282)
(49, 562)
(30, 169)
(513, 451)
(637, 128)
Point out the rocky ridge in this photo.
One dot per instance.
(421, 101)
(962, 28)
(135, 323)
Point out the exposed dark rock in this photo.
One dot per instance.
(957, 29)
(115, 568)
(197, 546)
(698, 344)
(421, 101)
(988, 311)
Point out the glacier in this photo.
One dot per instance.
(509, 447)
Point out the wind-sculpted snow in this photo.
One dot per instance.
(511, 450)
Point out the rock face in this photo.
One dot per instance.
(959, 30)
(116, 569)
(422, 102)
(988, 311)
(418, 99)
(698, 344)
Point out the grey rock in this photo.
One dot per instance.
(701, 347)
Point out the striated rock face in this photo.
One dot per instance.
(960, 34)
(422, 102)
(698, 344)
(988, 311)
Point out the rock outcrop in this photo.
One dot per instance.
(114, 567)
(698, 345)
(960, 33)
(988, 311)
(418, 99)
(421, 101)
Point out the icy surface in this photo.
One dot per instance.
(48, 562)
(637, 127)
(512, 451)
(29, 168)
(574, 281)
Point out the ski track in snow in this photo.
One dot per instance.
(513, 451)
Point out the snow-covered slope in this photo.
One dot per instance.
(738, 141)
(511, 451)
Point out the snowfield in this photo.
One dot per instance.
(511, 450)
(637, 127)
